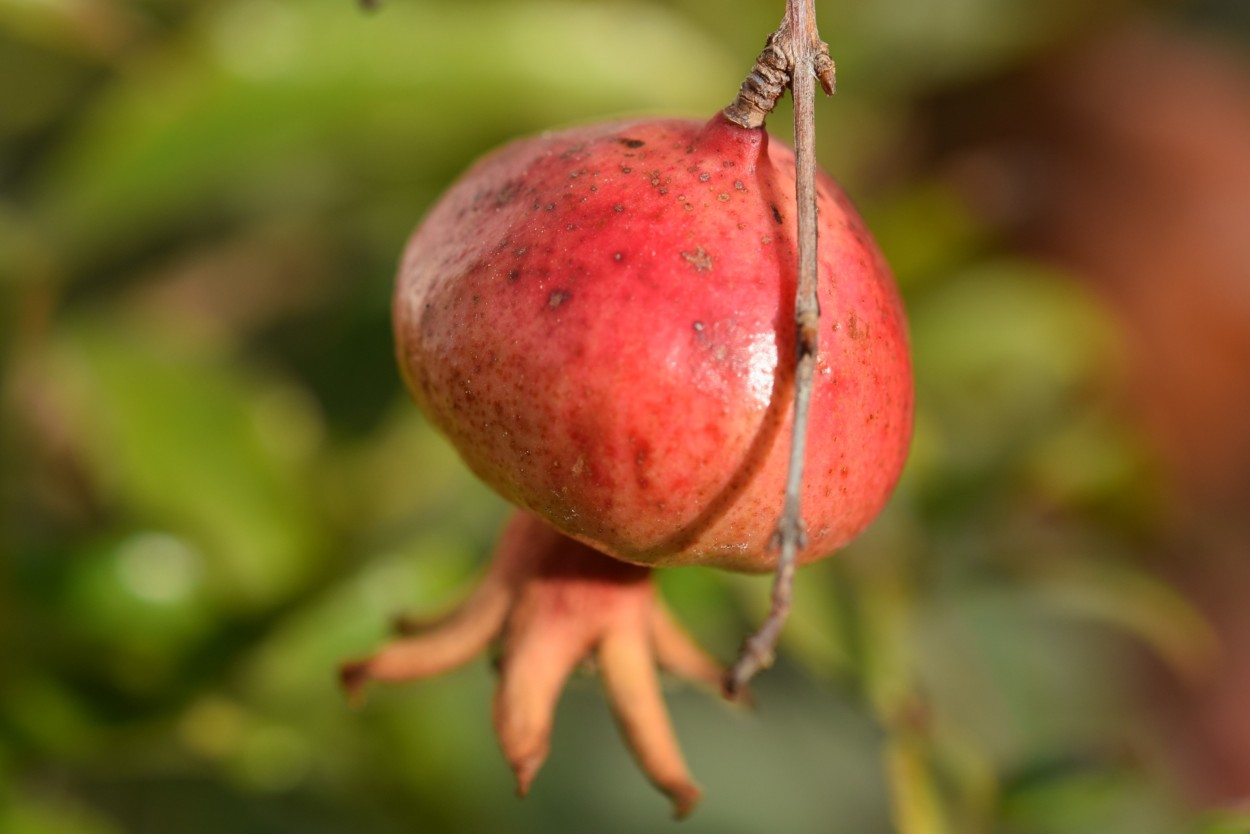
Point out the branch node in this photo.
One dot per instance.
(825, 69)
(765, 84)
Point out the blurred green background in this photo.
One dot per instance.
(214, 488)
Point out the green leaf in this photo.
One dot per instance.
(179, 441)
(268, 104)
(48, 816)
(1144, 606)
(916, 799)
(1226, 822)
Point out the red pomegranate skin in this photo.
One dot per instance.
(602, 322)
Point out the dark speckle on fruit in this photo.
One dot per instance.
(509, 191)
(776, 213)
(631, 143)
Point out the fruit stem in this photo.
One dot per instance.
(774, 67)
(806, 59)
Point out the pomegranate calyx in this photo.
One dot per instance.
(553, 602)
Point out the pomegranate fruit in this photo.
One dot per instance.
(601, 322)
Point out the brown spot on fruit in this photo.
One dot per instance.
(557, 298)
(699, 259)
(856, 328)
